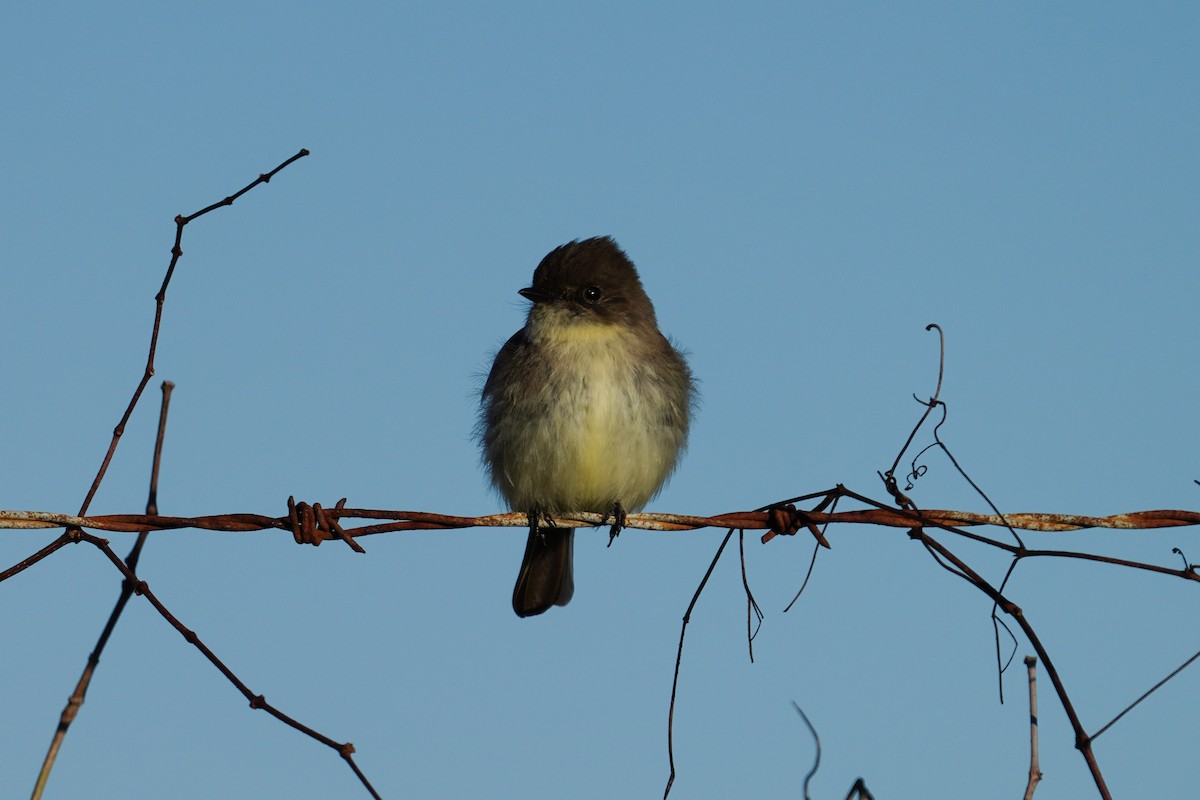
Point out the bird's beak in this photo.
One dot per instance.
(534, 295)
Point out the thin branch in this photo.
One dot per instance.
(152, 499)
(937, 438)
(132, 584)
(754, 614)
(1035, 771)
(1002, 664)
(159, 299)
(687, 617)
(930, 405)
(817, 741)
(75, 701)
(1146, 694)
(257, 701)
(24, 564)
(812, 562)
(1082, 741)
(859, 790)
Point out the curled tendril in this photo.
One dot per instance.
(1187, 565)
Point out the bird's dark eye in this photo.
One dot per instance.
(592, 294)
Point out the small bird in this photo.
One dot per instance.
(586, 408)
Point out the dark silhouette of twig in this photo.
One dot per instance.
(687, 617)
(781, 518)
(943, 557)
(816, 741)
(257, 701)
(132, 584)
(1003, 663)
(152, 499)
(26, 563)
(1146, 694)
(889, 476)
(949, 561)
(859, 791)
(1186, 564)
(754, 614)
(1082, 741)
(159, 299)
(75, 702)
(812, 562)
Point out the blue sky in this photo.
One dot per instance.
(803, 186)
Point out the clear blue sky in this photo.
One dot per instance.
(803, 186)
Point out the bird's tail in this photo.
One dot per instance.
(546, 573)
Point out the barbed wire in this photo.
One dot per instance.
(743, 520)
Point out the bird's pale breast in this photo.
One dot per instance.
(602, 429)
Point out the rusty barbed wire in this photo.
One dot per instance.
(308, 529)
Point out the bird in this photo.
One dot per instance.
(586, 408)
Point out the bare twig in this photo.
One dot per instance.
(26, 563)
(816, 741)
(889, 477)
(257, 701)
(75, 701)
(812, 562)
(1082, 741)
(687, 617)
(1146, 694)
(754, 614)
(152, 499)
(159, 299)
(859, 790)
(132, 584)
(1035, 771)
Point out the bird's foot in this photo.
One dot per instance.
(618, 515)
(539, 519)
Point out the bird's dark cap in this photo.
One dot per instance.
(591, 274)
